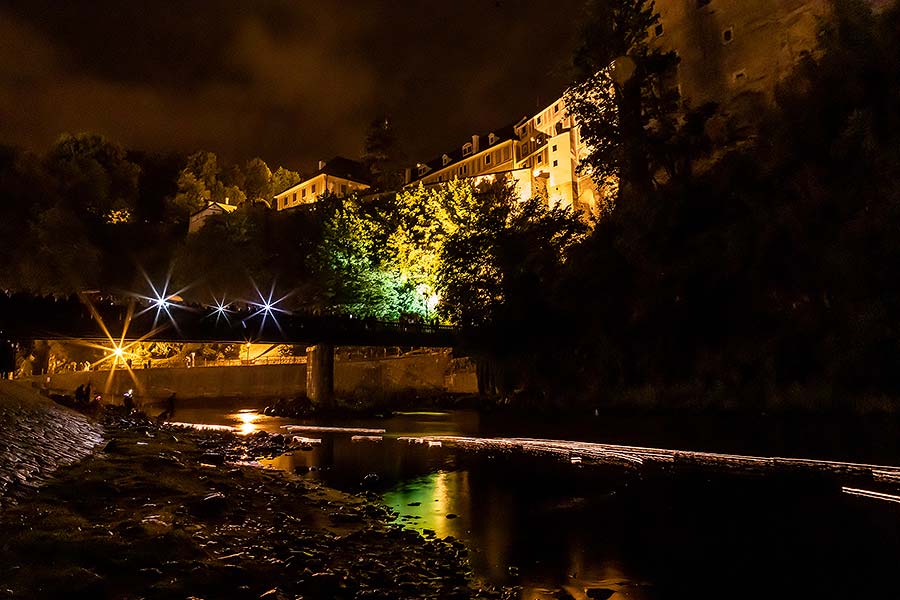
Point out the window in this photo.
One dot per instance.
(487, 159)
(466, 149)
(554, 147)
(423, 169)
(343, 189)
(555, 163)
(505, 153)
(314, 188)
(303, 193)
(728, 35)
(445, 160)
(658, 30)
(539, 120)
(294, 199)
(492, 139)
(555, 108)
(540, 158)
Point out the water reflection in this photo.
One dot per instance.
(547, 525)
(247, 418)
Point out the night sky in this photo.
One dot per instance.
(290, 81)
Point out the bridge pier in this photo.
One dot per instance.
(320, 374)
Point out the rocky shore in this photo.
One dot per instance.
(160, 512)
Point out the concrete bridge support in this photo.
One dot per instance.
(320, 374)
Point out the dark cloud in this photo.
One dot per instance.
(286, 80)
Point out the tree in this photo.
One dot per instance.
(94, 177)
(624, 98)
(382, 155)
(198, 183)
(258, 181)
(351, 272)
(283, 179)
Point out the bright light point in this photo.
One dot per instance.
(247, 425)
(118, 351)
(433, 301)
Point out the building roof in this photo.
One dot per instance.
(338, 166)
(220, 205)
(345, 168)
(501, 134)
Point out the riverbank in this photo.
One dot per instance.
(173, 513)
(38, 436)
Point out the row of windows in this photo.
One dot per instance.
(286, 201)
(727, 37)
(500, 155)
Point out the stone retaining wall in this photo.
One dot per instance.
(425, 373)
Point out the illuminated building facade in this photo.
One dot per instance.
(539, 154)
(338, 177)
(733, 52)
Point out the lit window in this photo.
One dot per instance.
(728, 35)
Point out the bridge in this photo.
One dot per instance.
(116, 323)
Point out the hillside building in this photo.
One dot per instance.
(338, 177)
(198, 218)
(733, 52)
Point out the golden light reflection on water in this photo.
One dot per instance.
(246, 421)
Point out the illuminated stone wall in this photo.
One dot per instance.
(733, 50)
(423, 373)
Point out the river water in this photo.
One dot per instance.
(548, 525)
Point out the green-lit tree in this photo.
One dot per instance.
(351, 271)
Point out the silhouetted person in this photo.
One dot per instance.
(87, 392)
(167, 414)
(80, 395)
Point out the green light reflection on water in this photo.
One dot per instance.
(434, 496)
